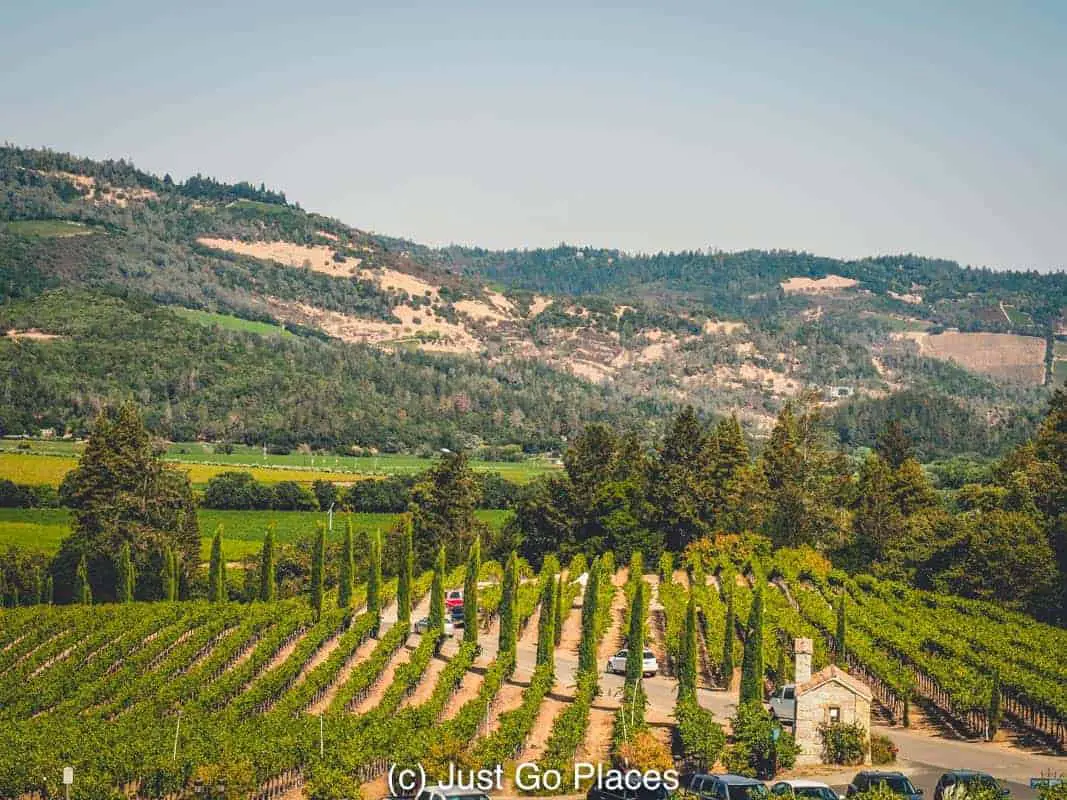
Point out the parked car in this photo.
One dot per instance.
(453, 598)
(423, 625)
(456, 615)
(896, 782)
(798, 789)
(725, 787)
(955, 782)
(783, 703)
(451, 794)
(649, 665)
(642, 793)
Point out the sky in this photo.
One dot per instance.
(846, 128)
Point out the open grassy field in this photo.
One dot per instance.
(227, 322)
(43, 529)
(21, 456)
(48, 227)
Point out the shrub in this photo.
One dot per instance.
(754, 751)
(644, 752)
(883, 751)
(702, 737)
(843, 743)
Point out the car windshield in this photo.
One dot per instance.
(815, 793)
(649, 654)
(755, 791)
(897, 784)
(983, 781)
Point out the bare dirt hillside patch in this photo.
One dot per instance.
(1006, 356)
(101, 192)
(317, 258)
(914, 299)
(32, 334)
(539, 304)
(831, 283)
(723, 327)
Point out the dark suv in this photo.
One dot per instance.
(725, 787)
(966, 778)
(896, 782)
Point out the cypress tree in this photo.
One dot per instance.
(470, 592)
(267, 582)
(557, 625)
(49, 590)
(38, 586)
(318, 558)
(728, 643)
(752, 665)
(993, 715)
(839, 651)
(124, 575)
(508, 622)
(779, 670)
(666, 566)
(407, 567)
(176, 571)
(546, 635)
(217, 570)
(166, 575)
(374, 578)
(635, 641)
(590, 613)
(348, 555)
(82, 592)
(687, 655)
(437, 591)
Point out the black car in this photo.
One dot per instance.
(966, 778)
(896, 782)
(456, 614)
(643, 793)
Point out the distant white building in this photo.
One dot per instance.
(840, 392)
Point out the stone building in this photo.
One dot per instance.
(830, 695)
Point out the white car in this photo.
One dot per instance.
(799, 789)
(783, 704)
(649, 665)
(423, 625)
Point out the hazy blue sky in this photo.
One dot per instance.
(845, 128)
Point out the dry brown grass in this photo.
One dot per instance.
(1005, 356)
(831, 283)
(318, 258)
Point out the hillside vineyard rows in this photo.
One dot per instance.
(145, 697)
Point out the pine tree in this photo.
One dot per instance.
(508, 621)
(635, 641)
(124, 575)
(728, 643)
(318, 565)
(546, 635)
(557, 624)
(348, 556)
(993, 714)
(407, 568)
(374, 578)
(437, 591)
(217, 570)
(752, 665)
(839, 651)
(590, 614)
(82, 592)
(267, 581)
(470, 591)
(687, 653)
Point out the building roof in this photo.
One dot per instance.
(836, 675)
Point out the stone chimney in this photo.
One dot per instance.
(803, 649)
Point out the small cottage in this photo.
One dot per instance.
(830, 695)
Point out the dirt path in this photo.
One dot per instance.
(319, 656)
(362, 652)
(401, 656)
(424, 689)
(597, 744)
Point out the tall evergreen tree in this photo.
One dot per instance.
(728, 456)
(38, 586)
(348, 568)
(49, 590)
(635, 640)
(318, 567)
(176, 572)
(470, 591)
(993, 713)
(442, 509)
(688, 651)
(83, 592)
(216, 580)
(374, 578)
(407, 570)
(124, 575)
(508, 619)
(677, 486)
(546, 634)
(839, 651)
(557, 625)
(267, 578)
(169, 576)
(728, 643)
(752, 665)
(437, 591)
(590, 613)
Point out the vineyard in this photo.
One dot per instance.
(271, 698)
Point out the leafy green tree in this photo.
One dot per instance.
(407, 573)
(83, 592)
(443, 505)
(687, 653)
(546, 636)
(508, 619)
(124, 577)
(470, 592)
(894, 445)
(590, 611)
(437, 591)
(677, 488)
(122, 492)
(267, 577)
(635, 640)
(727, 455)
(318, 567)
(374, 577)
(728, 642)
(216, 581)
(348, 567)
(752, 665)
